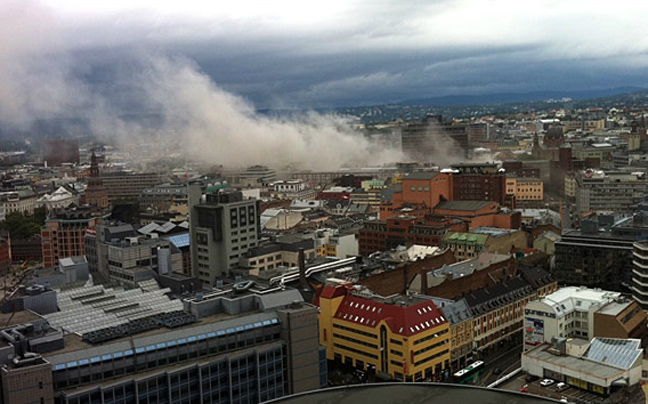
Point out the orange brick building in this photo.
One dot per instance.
(63, 235)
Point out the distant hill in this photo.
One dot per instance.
(506, 98)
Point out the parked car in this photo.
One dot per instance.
(562, 386)
(546, 382)
(523, 390)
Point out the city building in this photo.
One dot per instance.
(335, 243)
(136, 259)
(599, 191)
(223, 227)
(126, 186)
(164, 197)
(61, 198)
(579, 312)
(95, 193)
(406, 338)
(293, 189)
(640, 273)
(282, 252)
(22, 200)
(431, 136)
(381, 235)
(525, 189)
(453, 280)
(593, 257)
(479, 182)
(520, 169)
(64, 232)
(479, 214)
(461, 330)
(238, 344)
(468, 245)
(498, 313)
(602, 366)
(258, 175)
(59, 151)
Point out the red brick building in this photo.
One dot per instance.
(381, 235)
(63, 235)
(479, 214)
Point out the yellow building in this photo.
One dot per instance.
(525, 189)
(406, 338)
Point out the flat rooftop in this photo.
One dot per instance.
(575, 365)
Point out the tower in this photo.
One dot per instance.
(95, 194)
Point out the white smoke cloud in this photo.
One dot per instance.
(38, 81)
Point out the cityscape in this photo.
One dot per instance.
(296, 203)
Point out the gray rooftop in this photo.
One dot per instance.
(421, 175)
(573, 365)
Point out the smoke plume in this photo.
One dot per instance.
(41, 79)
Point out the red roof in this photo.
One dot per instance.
(406, 321)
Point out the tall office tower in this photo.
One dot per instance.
(223, 227)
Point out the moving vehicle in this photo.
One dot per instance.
(469, 374)
(546, 382)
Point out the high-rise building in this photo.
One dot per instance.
(640, 273)
(223, 227)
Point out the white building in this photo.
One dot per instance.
(59, 199)
(332, 243)
(568, 312)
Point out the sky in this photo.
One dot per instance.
(203, 69)
(342, 53)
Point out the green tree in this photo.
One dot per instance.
(22, 226)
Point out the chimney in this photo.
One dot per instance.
(303, 283)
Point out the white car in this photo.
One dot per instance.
(562, 386)
(546, 382)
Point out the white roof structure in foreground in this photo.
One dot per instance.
(92, 308)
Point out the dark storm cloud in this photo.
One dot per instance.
(351, 52)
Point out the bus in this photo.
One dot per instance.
(470, 374)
